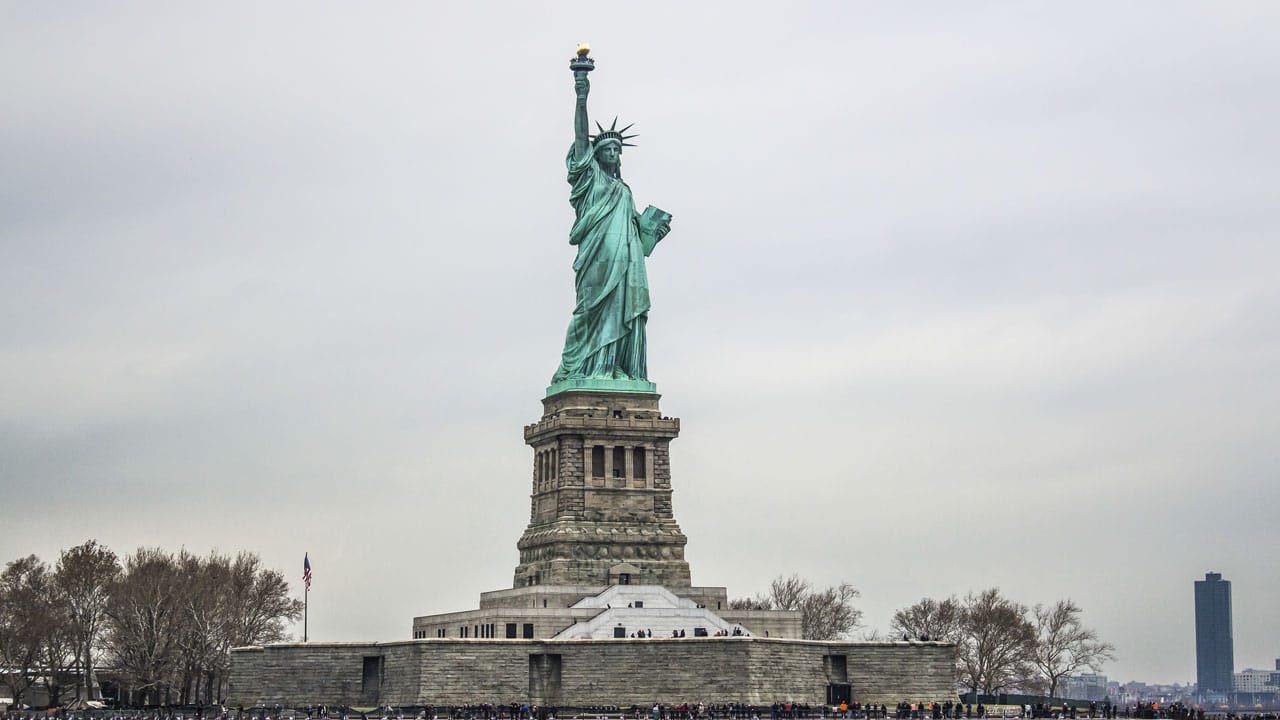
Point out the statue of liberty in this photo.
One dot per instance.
(604, 347)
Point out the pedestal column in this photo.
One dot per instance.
(600, 510)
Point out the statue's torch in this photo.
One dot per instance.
(581, 64)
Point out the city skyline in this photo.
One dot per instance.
(955, 296)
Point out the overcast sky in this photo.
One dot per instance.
(957, 295)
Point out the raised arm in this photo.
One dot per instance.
(581, 136)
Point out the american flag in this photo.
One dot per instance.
(306, 571)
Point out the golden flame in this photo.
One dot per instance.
(583, 49)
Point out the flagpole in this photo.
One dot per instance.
(306, 591)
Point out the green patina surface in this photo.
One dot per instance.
(607, 384)
(605, 344)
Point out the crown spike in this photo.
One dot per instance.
(613, 133)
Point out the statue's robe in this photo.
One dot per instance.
(606, 335)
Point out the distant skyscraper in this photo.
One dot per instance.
(1215, 654)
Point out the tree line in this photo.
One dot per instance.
(1001, 645)
(825, 613)
(163, 622)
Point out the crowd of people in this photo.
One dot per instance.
(679, 633)
(783, 710)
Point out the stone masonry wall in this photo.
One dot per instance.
(591, 672)
(287, 674)
(913, 668)
(570, 472)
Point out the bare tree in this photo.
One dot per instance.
(22, 617)
(785, 593)
(1064, 645)
(35, 629)
(996, 646)
(256, 608)
(788, 593)
(261, 606)
(759, 602)
(204, 622)
(144, 624)
(829, 614)
(58, 658)
(932, 619)
(825, 614)
(86, 575)
(992, 635)
(167, 622)
(223, 603)
(174, 619)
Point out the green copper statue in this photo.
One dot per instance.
(604, 347)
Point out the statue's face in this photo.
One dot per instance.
(608, 154)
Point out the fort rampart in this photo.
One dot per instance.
(623, 671)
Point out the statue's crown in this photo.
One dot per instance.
(613, 133)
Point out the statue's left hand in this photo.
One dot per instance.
(662, 230)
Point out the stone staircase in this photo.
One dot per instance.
(629, 609)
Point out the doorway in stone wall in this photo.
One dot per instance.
(544, 679)
(371, 680)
